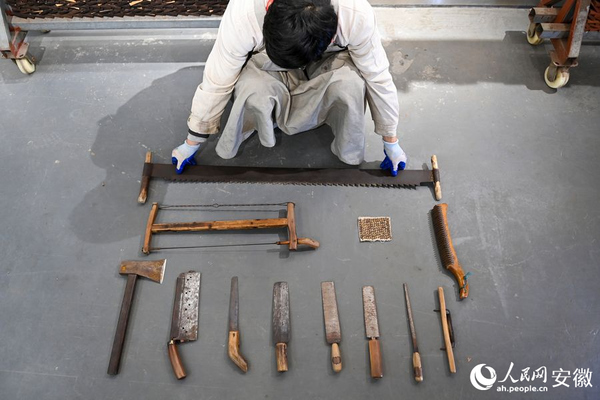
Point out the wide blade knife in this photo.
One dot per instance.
(281, 323)
(372, 331)
(333, 332)
(184, 325)
(234, 331)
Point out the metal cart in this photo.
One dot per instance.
(566, 25)
(13, 29)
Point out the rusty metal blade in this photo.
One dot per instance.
(294, 176)
(411, 321)
(281, 313)
(370, 310)
(184, 325)
(234, 305)
(333, 332)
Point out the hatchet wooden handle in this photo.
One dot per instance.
(233, 348)
(336, 357)
(117, 349)
(375, 358)
(176, 360)
(281, 355)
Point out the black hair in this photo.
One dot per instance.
(297, 32)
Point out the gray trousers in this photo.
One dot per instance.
(330, 91)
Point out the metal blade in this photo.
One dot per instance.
(413, 332)
(234, 305)
(281, 313)
(297, 176)
(184, 325)
(333, 332)
(370, 310)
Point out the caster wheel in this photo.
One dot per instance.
(26, 65)
(556, 77)
(532, 35)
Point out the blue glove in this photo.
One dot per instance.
(395, 158)
(184, 155)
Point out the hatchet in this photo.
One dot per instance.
(153, 270)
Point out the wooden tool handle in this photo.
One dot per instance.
(303, 241)
(446, 248)
(447, 341)
(176, 360)
(145, 179)
(117, 349)
(375, 359)
(233, 348)
(336, 357)
(417, 367)
(281, 354)
(291, 224)
(436, 178)
(149, 223)
(309, 242)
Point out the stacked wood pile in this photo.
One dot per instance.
(593, 22)
(114, 8)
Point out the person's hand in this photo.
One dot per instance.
(184, 155)
(395, 157)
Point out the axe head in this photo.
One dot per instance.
(153, 270)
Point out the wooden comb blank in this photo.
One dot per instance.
(446, 249)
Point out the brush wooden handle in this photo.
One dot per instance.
(176, 360)
(281, 355)
(446, 248)
(447, 341)
(336, 358)
(234, 351)
(418, 370)
(145, 179)
(375, 358)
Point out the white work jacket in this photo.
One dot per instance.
(240, 34)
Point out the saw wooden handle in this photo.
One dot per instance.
(439, 215)
(336, 358)
(146, 249)
(447, 341)
(281, 355)
(143, 196)
(375, 358)
(233, 349)
(117, 349)
(176, 360)
(437, 187)
(418, 369)
(303, 241)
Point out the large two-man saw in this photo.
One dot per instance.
(293, 176)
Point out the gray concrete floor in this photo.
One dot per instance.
(518, 164)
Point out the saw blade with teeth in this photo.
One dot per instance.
(347, 177)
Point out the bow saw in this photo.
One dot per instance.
(289, 221)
